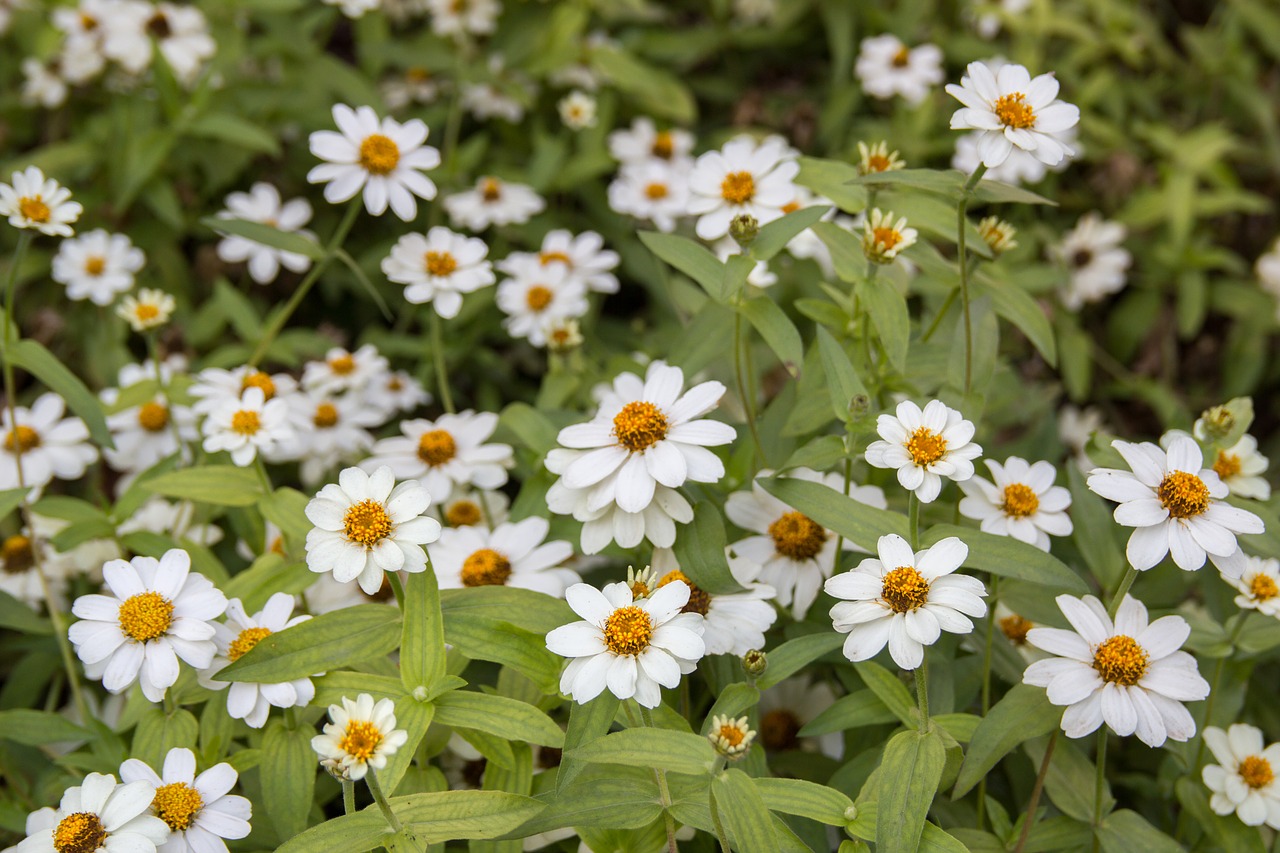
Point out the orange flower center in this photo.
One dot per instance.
(905, 589)
(738, 187)
(81, 832)
(485, 567)
(261, 381)
(34, 209)
(379, 155)
(367, 523)
(1227, 465)
(902, 58)
(1014, 111)
(360, 739)
(343, 365)
(628, 631)
(1015, 628)
(639, 426)
(926, 446)
(440, 263)
(1263, 588)
(246, 422)
(1183, 494)
(731, 734)
(1120, 660)
(153, 417)
(18, 554)
(436, 447)
(145, 616)
(663, 145)
(326, 415)
(655, 191)
(1256, 771)
(887, 237)
(797, 536)
(21, 439)
(463, 514)
(1020, 500)
(780, 730)
(177, 805)
(538, 297)
(247, 639)
(95, 264)
(491, 189)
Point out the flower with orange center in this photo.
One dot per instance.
(731, 738)
(538, 297)
(1258, 587)
(436, 447)
(1019, 501)
(1244, 778)
(485, 567)
(1015, 628)
(1009, 109)
(361, 736)
(38, 203)
(883, 239)
(877, 158)
(797, 536)
(744, 177)
(439, 263)
(153, 416)
(18, 554)
(438, 268)
(924, 446)
(639, 426)
(510, 554)
(738, 187)
(97, 814)
(97, 266)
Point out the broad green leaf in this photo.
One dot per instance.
(859, 708)
(328, 641)
(820, 454)
(733, 700)
(352, 833)
(909, 774)
(605, 796)
(659, 92)
(414, 718)
(533, 611)
(743, 811)
(778, 331)
(888, 311)
(1071, 778)
(288, 774)
(158, 732)
(835, 180)
(17, 616)
(1007, 557)
(691, 259)
(331, 687)
(842, 380)
(533, 429)
(1093, 531)
(32, 357)
(675, 752)
(861, 524)
(1019, 308)
(699, 550)
(286, 509)
(794, 655)
(11, 499)
(845, 248)
(1023, 713)
(36, 728)
(447, 815)
(775, 236)
(498, 715)
(1125, 831)
(892, 692)
(422, 647)
(258, 232)
(226, 127)
(807, 799)
(587, 722)
(269, 574)
(948, 183)
(500, 641)
(221, 485)
(932, 840)
(998, 192)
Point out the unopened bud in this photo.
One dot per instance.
(335, 769)
(1217, 422)
(420, 693)
(859, 405)
(754, 663)
(998, 235)
(744, 229)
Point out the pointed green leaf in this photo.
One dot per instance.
(44, 365)
(690, 258)
(675, 752)
(807, 799)
(422, 647)
(258, 232)
(909, 774)
(1023, 713)
(221, 485)
(325, 642)
(778, 331)
(861, 524)
(507, 718)
(775, 236)
(288, 774)
(1007, 557)
(888, 311)
(699, 550)
(744, 812)
(842, 380)
(892, 692)
(794, 655)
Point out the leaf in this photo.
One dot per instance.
(744, 812)
(807, 799)
(1092, 531)
(422, 648)
(660, 92)
(352, 833)
(1018, 307)
(888, 311)
(502, 642)
(775, 236)
(1071, 778)
(17, 616)
(1007, 557)
(158, 732)
(1023, 713)
(892, 692)
(286, 509)
(948, 183)
(691, 259)
(530, 426)
(258, 232)
(859, 708)
(998, 192)
(604, 796)
(414, 718)
(226, 127)
(44, 365)
(845, 248)
(699, 550)
(834, 179)
(842, 380)
(221, 485)
(288, 774)
(447, 815)
(1227, 830)
(1125, 831)
(910, 771)
(675, 752)
(525, 608)
(507, 718)
(328, 641)
(37, 728)
(778, 331)
(794, 655)
(733, 700)
(587, 722)
(11, 499)
(861, 524)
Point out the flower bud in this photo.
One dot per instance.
(744, 229)
(754, 663)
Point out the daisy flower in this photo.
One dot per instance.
(1012, 109)
(148, 310)
(197, 809)
(446, 454)
(883, 239)
(147, 433)
(731, 738)
(384, 158)
(361, 736)
(1015, 626)
(610, 523)
(248, 426)
(1022, 502)
(1241, 466)
(331, 429)
(39, 203)
(42, 84)
(176, 519)
(97, 814)
(493, 202)
(633, 648)
(398, 392)
(1075, 428)
(97, 266)
(651, 190)
(997, 234)
(584, 255)
(413, 85)
(511, 554)
(924, 446)
(451, 18)
(887, 67)
(485, 508)
(250, 701)
(1130, 674)
(216, 387)
(538, 296)
(790, 705)
(577, 110)
(1258, 585)
(1095, 260)
(1175, 505)
(878, 158)
(343, 370)
(366, 525)
(262, 203)
(743, 177)
(43, 443)
(643, 142)
(1244, 779)
(905, 600)
(732, 623)
(20, 576)
(158, 612)
(438, 268)
(180, 32)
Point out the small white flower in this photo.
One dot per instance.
(331, 430)
(732, 623)
(39, 203)
(397, 392)
(788, 707)
(997, 234)
(493, 202)
(438, 268)
(148, 310)
(343, 370)
(584, 255)
(262, 203)
(20, 576)
(1021, 167)
(577, 110)
(177, 520)
(146, 433)
(905, 600)
(643, 143)
(1022, 502)
(1241, 467)
(1130, 674)
(446, 454)
(924, 446)
(453, 18)
(361, 736)
(81, 58)
(877, 158)
(1244, 779)
(1259, 586)
(97, 814)
(731, 738)
(366, 525)
(197, 809)
(1095, 259)
(385, 159)
(883, 239)
(654, 190)
(511, 554)
(743, 177)
(414, 85)
(538, 296)
(887, 67)
(1012, 109)
(44, 443)
(158, 612)
(248, 426)
(633, 648)
(180, 32)
(487, 100)
(97, 266)
(485, 508)
(215, 387)
(42, 84)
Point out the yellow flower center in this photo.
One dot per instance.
(145, 616)
(731, 734)
(379, 154)
(1183, 494)
(343, 365)
(81, 832)
(277, 546)
(436, 447)
(1014, 111)
(88, 22)
(552, 257)
(1256, 771)
(247, 639)
(878, 163)
(485, 567)
(655, 191)
(797, 536)
(639, 426)
(538, 297)
(780, 729)
(95, 264)
(1020, 500)
(905, 589)
(34, 209)
(463, 514)
(153, 417)
(360, 739)
(177, 804)
(491, 189)
(440, 263)
(261, 381)
(159, 26)
(18, 554)
(791, 207)
(887, 237)
(246, 422)
(1015, 628)
(1120, 660)
(367, 522)
(738, 187)
(926, 446)
(663, 145)
(21, 439)
(902, 58)
(628, 631)
(145, 311)
(1263, 588)
(1227, 465)
(326, 415)
(699, 599)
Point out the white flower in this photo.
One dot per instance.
(924, 446)
(215, 387)
(397, 392)
(743, 177)
(331, 430)
(887, 67)
(1241, 466)
(343, 370)
(732, 623)
(97, 814)
(197, 809)
(43, 86)
(1075, 428)
(1259, 586)
(146, 433)
(451, 18)
(656, 522)
(1012, 109)
(654, 190)
(1022, 167)
(1175, 505)
(361, 736)
(1094, 258)
(790, 552)
(731, 738)
(149, 309)
(1244, 779)
(157, 613)
(643, 143)
(493, 202)
(81, 58)
(631, 647)
(584, 255)
(883, 239)
(180, 32)
(414, 85)
(485, 508)
(877, 158)
(439, 267)
(905, 600)
(20, 576)
(486, 100)
(384, 158)
(788, 707)
(39, 203)
(97, 266)
(45, 444)
(445, 454)
(1022, 503)
(355, 8)
(366, 525)
(262, 203)
(1267, 268)
(538, 296)
(248, 426)
(511, 554)
(1130, 675)
(577, 110)
(250, 701)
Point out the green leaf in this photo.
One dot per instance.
(502, 642)
(587, 722)
(11, 499)
(1092, 532)
(807, 799)
(44, 365)
(794, 655)
(498, 715)
(37, 728)
(659, 92)
(258, 232)
(999, 192)
(847, 256)
(842, 380)
(422, 647)
(414, 718)
(17, 616)
(1007, 557)
(447, 815)
(699, 551)
(859, 708)
(861, 524)
(326, 642)
(691, 259)
(268, 575)
(158, 732)
(1016, 305)
(534, 430)
(604, 796)
(675, 752)
(288, 774)
(775, 236)
(286, 509)
(733, 700)
(909, 774)
(525, 608)
(353, 833)
(1071, 778)
(948, 183)
(777, 330)
(1125, 831)
(835, 180)
(744, 812)
(892, 692)
(1023, 713)
(888, 311)
(221, 485)
(1227, 829)
(226, 127)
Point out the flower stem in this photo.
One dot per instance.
(748, 400)
(1100, 785)
(922, 693)
(442, 373)
(986, 686)
(848, 478)
(348, 796)
(1034, 802)
(721, 836)
(664, 792)
(1125, 584)
(375, 788)
(961, 237)
(913, 516)
(937, 318)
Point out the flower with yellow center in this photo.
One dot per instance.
(446, 454)
(439, 267)
(1020, 501)
(97, 814)
(1011, 109)
(997, 234)
(732, 623)
(43, 442)
(247, 426)
(512, 554)
(1244, 779)
(878, 158)
(1258, 587)
(537, 296)
(731, 738)
(493, 201)
(98, 266)
(887, 68)
(1241, 468)
(360, 736)
(743, 177)
(38, 203)
(197, 808)
(1015, 628)
(924, 446)
(883, 239)
(148, 310)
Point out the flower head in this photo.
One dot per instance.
(887, 67)
(97, 814)
(1258, 586)
(97, 266)
(361, 736)
(924, 446)
(744, 176)
(263, 204)
(493, 202)
(38, 444)
(248, 426)
(148, 310)
(439, 267)
(1095, 259)
(997, 234)
(1012, 109)
(877, 158)
(577, 110)
(197, 809)
(511, 554)
(1020, 501)
(731, 738)
(883, 239)
(38, 203)
(1244, 779)
(446, 454)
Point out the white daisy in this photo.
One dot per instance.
(1022, 502)
(577, 110)
(343, 370)
(1241, 467)
(905, 600)
(790, 705)
(1244, 779)
(366, 525)
(610, 523)
(180, 32)
(446, 454)
(1175, 505)
(158, 612)
(250, 701)
(39, 203)
(997, 234)
(633, 648)
(877, 158)
(511, 554)
(1095, 260)
(397, 392)
(20, 576)
(80, 59)
(1012, 109)
(743, 177)
(459, 17)
(537, 296)
(262, 203)
(215, 386)
(1130, 674)
(148, 310)
(887, 67)
(361, 736)
(438, 268)
(485, 508)
(486, 100)
(146, 433)
(924, 446)
(97, 814)
(197, 809)
(44, 443)
(384, 158)
(732, 623)
(585, 257)
(493, 202)
(643, 142)
(653, 190)
(42, 84)
(248, 426)
(97, 266)
(1015, 626)
(883, 239)
(1021, 167)
(1258, 585)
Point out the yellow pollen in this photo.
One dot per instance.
(21, 439)
(655, 191)
(791, 207)
(379, 154)
(1256, 771)
(436, 447)
(246, 422)
(485, 567)
(145, 616)
(463, 514)
(95, 264)
(1014, 111)
(360, 739)
(491, 189)
(146, 311)
(277, 546)
(905, 589)
(261, 381)
(1015, 628)
(902, 58)
(1183, 494)
(153, 417)
(394, 384)
(1227, 465)
(628, 630)
(552, 257)
(367, 523)
(780, 729)
(887, 237)
(18, 555)
(81, 832)
(1020, 500)
(639, 426)
(440, 263)
(88, 22)
(797, 536)
(926, 447)
(699, 599)
(248, 638)
(878, 163)
(639, 590)
(177, 804)
(1261, 587)
(738, 187)
(343, 365)
(1120, 660)
(34, 209)
(326, 415)
(538, 297)
(731, 734)
(663, 145)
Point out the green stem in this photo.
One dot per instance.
(348, 796)
(848, 478)
(263, 477)
(942, 312)
(1034, 802)
(721, 835)
(664, 792)
(748, 400)
(442, 372)
(961, 256)
(922, 693)
(1125, 584)
(375, 788)
(397, 588)
(913, 516)
(986, 686)
(1099, 785)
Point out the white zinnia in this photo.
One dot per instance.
(1012, 109)
(262, 203)
(511, 554)
(1258, 585)
(644, 143)
(248, 426)
(1241, 467)
(537, 297)
(887, 67)
(1267, 269)
(493, 202)
(39, 203)
(743, 177)
(97, 266)
(1022, 502)
(198, 810)
(446, 454)
(361, 736)
(584, 255)
(1095, 259)
(924, 446)
(343, 370)
(438, 268)
(577, 110)
(98, 812)
(1244, 779)
(44, 443)
(732, 623)
(149, 309)
(653, 190)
